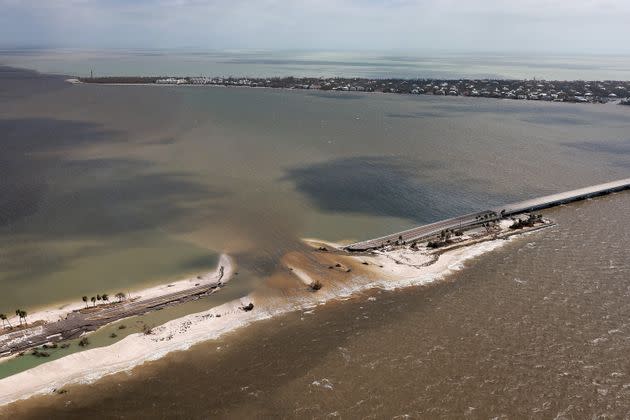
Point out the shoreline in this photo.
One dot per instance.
(384, 271)
(576, 100)
(54, 311)
(57, 324)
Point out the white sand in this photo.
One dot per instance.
(394, 275)
(53, 314)
(181, 333)
(302, 275)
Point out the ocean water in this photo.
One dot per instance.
(371, 64)
(536, 329)
(115, 187)
(108, 188)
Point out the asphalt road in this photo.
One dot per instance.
(424, 232)
(90, 319)
(469, 220)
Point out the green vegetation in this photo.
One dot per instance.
(531, 220)
(21, 315)
(443, 240)
(4, 319)
(39, 353)
(104, 297)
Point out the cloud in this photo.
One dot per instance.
(532, 25)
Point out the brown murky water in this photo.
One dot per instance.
(537, 329)
(106, 188)
(117, 187)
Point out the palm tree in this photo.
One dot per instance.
(98, 297)
(21, 315)
(120, 296)
(85, 299)
(105, 297)
(93, 300)
(3, 317)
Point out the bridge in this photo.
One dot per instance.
(553, 200)
(479, 218)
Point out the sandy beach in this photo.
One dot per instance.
(383, 270)
(60, 311)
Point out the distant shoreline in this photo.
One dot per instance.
(577, 91)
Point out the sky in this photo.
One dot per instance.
(551, 26)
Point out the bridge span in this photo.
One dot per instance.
(477, 219)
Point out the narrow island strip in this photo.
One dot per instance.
(52, 326)
(572, 91)
(331, 273)
(321, 273)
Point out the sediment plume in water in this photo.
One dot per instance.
(337, 274)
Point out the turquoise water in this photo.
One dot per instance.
(102, 337)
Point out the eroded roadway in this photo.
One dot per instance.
(90, 319)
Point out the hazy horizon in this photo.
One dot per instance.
(292, 209)
(300, 63)
(530, 26)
